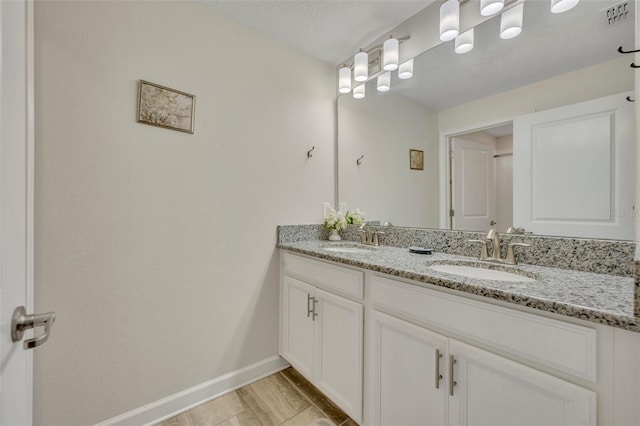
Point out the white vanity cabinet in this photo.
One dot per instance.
(298, 330)
(492, 390)
(321, 332)
(424, 378)
(420, 377)
(409, 365)
(434, 356)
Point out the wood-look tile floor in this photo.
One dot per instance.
(284, 398)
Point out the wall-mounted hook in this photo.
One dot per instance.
(359, 160)
(633, 65)
(630, 100)
(309, 154)
(620, 50)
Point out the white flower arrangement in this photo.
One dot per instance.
(335, 220)
(355, 217)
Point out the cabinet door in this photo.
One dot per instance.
(297, 329)
(491, 390)
(408, 388)
(339, 340)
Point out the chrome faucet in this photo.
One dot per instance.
(494, 237)
(369, 236)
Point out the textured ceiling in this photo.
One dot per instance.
(549, 45)
(328, 29)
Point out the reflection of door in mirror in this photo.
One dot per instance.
(574, 169)
(481, 184)
(472, 182)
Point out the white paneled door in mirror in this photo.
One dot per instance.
(574, 170)
(472, 184)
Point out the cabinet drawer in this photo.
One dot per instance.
(337, 279)
(563, 346)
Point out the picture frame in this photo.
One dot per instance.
(165, 107)
(416, 159)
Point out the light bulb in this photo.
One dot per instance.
(511, 22)
(361, 66)
(559, 6)
(384, 81)
(449, 20)
(390, 53)
(490, 7)
(344, 79)
(464, 42)
(405, 70)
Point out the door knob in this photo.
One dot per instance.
(21, 322)
(493, 222)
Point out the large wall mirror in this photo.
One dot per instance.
(535, 132)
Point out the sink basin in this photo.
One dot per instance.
(481, 273)
(344, 248)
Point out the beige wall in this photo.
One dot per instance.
(154, 247)
(384, 127)
(600, 80)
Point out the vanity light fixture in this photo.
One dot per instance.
(377, 61)
(464, 42)
(511, 22)
(361, 66)
(344, 79)
(390, 54)
(405, 71)
(384, 81)
(449, 20)
(490, 7)
(559, 6)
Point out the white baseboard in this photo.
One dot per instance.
(175, 404)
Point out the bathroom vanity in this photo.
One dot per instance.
(394, 340)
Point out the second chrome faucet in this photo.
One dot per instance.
(494, 238)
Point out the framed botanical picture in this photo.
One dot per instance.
(165, 107)
(416, 159)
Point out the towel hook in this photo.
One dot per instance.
(359, 160)
(309, 154)
(620, 50)
(630, 100)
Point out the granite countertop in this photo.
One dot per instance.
(605, 299)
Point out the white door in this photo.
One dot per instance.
(409, 364)
(472, 185)
(574, 170)
(16, 205)
(298, 325)
(494, 391)
(339, 341)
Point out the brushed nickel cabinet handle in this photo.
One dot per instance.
(438, 375)
(452, 382)
(309, 308)
(315, 314)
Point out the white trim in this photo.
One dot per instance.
(16, 175)
(175, 404)
(443, 187)
(30, 195)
